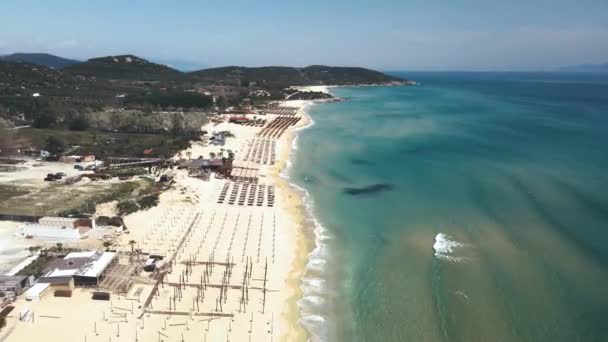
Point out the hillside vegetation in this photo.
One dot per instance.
(287, 76)
(43, 59)
(129, 95)
(125, 67)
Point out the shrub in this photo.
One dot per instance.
(148, 201)
(78, 123)
(126, 207)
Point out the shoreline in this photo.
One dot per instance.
(308, 278)
(294, 207)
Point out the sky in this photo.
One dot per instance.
(386, 35)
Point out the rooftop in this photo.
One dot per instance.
(85, 264)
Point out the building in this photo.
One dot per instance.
(12, 286)
(77, 159)
(214, 165)
(65, 228)
(238, 119)
(78, 269)
(36, 292)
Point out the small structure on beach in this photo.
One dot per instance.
(78, 269)
(36, 292)
(11, 286)
(204, 167)
(68, 228)
(213, 165)
(238, 119)
(77, 159)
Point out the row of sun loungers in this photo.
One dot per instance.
(247, 194)
(261, 151)
(278, 126)
(283, 111)
(244, 174)
(255, 123)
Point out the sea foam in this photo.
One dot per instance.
(444, 247)
(312, 305)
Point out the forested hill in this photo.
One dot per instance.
(43, 59)
(286, 76)
(133, 68)
(124, 67)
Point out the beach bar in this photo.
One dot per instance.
(85, 268)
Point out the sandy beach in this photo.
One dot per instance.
(231, 270)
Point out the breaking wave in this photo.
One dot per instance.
(445, 247)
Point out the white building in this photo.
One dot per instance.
(35, 292)
(86, 268)
(64, 228)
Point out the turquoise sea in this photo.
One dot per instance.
(471, 207)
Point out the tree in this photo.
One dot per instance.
(107, 245)
(78, 123)
(189, 154)
(54, 145)
(59, 246)
(33, 249)
(132, 243)
(43, 121)
(221, 102)
(212, 155)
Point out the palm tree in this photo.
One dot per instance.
(107, 245)
(59, 246)
(212, 155)
(189, 154)
(132, 243)
(33, 249)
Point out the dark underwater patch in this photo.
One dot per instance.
(369, 190)
(398, 116)
(415, 150)
(360, 162)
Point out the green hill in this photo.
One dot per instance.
(43, 59)
(288, 76)
(125, 67)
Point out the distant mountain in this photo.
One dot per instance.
(19, 73)
(181, 65)
(44, 59)
(124, 67)
(586, 68)
(285, 76)
(21, 78)
(131, 68)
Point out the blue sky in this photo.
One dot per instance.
(386, 35)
